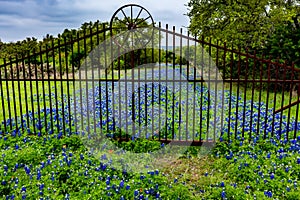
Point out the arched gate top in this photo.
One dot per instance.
(131, 16)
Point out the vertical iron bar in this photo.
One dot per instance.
(37, 90)
(139, 97)
(20, 96)
(238, 94)
(208, 106)
(216, 90)
(153, 85)
(146, 97)
(80, 86)
(93, 79)
(268, 95)
(73, 86)
(125, 95)
(290, 100)
(187, 86)
(119, 83)
(245, 95)
(31, 93)
(49, 88)
(2, 97)
(86, 81)
(194, 87)
(100, 76)
(25, 91)
(113, 88)
(202, 90)
(230, 93)
(252, 91)
(61, 86)
(106, 76)
(132, 88)
(180, 87)
(8, 96)
(167, 57)
(67, 84)
(173, 93)
(14, 93)
(223, 91)
(282, 97)
(275, 98)
(260, 91)
(297, 109)
(131, 15)
(43, 88)
(55, 86)
(159, 79)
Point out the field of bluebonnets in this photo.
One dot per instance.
(54, 159)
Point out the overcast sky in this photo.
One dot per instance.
(36, 18)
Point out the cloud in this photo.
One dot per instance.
(36, 18)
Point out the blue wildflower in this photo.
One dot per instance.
(136, 192)
(223, 194)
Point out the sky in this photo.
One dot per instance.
(20, 19)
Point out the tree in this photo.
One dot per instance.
(284, 43)
(269, 27)
(245, 23)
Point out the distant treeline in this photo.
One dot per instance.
(65, 52)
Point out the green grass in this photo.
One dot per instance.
(19, 97)
(13, 101)
(282, 99)
(206, 172)
(15, 95)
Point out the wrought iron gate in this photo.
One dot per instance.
(132, 78)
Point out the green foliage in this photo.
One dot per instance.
(265, 27)
(284, 43)
(84, 177)
(138, 145)
(245, 23)
(75, 58)
(19, 48)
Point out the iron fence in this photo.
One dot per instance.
(173, 87)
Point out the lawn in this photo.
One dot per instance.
(282, 98)
(20, 97)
